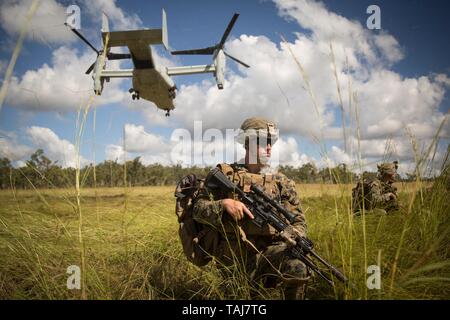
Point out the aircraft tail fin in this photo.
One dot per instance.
(219, 63)
(105, 23)
(165, 37)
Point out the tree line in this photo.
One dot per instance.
(41, 172)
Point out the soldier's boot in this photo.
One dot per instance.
(295, 292)
(295, 279)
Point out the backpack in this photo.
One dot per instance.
(190, 231)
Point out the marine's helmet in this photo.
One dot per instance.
(388, 168)
(265, 130)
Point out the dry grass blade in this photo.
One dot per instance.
(23, 32)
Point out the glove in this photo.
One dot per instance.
(290, 234)
(389, 196)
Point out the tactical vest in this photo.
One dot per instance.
(244, 179)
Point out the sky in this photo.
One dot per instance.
(389, 86)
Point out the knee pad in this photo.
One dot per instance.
(295, 272)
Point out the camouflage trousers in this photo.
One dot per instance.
(268, 263)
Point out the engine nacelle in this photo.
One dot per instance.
(219, 63)
(100, 64)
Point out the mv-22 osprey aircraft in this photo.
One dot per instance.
(150, 81)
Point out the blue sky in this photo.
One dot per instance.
(418, 28)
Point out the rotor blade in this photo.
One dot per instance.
(237, 60)
(228, 30)
(209, 50)
(118, 56)
(90, 68)
(82, 38)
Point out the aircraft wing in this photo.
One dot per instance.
(144, 36)
(122, 38)
(140, 54)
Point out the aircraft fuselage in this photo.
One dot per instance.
(151, 82)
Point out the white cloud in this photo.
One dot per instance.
(10, 147)
(120, 20)
(327, 26)
(339, 156)
(61, 86)
(389, 47)
(286, 152)
(389, 103)
(46, 26)
(138, 140)
(115, 153)
(55, 148)
(149, 111)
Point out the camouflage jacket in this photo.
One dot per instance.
(208, 208)
(376, 195)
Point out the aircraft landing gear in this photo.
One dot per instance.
(134, 94)
(172, 93)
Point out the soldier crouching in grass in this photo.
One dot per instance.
(260, 253)
(377, 193)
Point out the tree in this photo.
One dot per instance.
(5, 172)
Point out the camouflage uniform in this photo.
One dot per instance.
(377, 193)
(261, 253)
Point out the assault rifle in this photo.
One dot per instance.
(268, 211)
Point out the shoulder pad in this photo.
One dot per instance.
(280, 176)
(186, 186)
(238, 166)
(373, 182)
(225, 168)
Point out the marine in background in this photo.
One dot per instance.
(379, 192)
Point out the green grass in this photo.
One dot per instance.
(132, 249)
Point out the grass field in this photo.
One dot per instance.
(130, 246)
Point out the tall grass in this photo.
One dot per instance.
(36, 249)
(23, 32)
